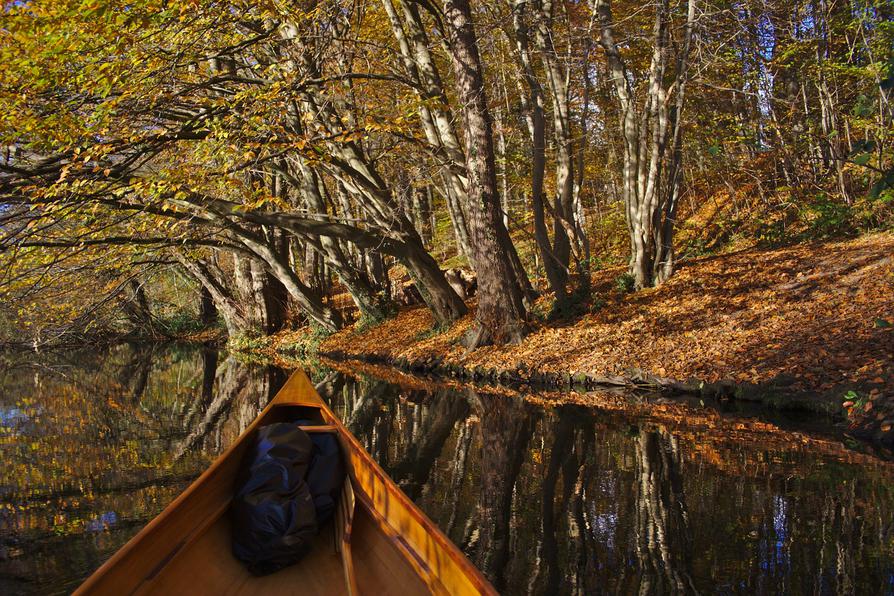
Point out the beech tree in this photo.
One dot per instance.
(652, 132)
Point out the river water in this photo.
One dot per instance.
(544, 499)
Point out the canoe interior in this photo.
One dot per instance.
(207, 566)
(378, 543)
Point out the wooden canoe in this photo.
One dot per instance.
(378, 543)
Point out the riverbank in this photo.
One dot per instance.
(809, 326)
(712, 422)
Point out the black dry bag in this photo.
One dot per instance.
(274, 519)
(326, 475)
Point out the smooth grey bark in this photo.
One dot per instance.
(250, 300)
(553, 253)
(214, 281)
(434, 111)
(564, 200)
(652, 136)
(350, 165)
(441, 135)
(371, 306)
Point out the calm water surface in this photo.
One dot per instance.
(544, 500)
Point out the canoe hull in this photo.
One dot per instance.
(381, 543)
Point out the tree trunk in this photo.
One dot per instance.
(207, 309)
(214, 281)
(310, 301)
(652, 173)
(563, 201)
(554, 266)
(445, 304)
(437, 122)
(248, 283)
(250, 301)
(501, 311)
(371, 306)
(358, 174)
(137, 309)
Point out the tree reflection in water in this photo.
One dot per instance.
(545, 500)
(663, 542)
(572, 500)
(504, 432)
(100, 442)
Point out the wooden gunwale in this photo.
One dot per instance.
(379, 506)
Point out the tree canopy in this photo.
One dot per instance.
(277, 154)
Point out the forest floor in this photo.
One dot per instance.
(814, 320)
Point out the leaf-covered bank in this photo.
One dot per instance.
(807, 326)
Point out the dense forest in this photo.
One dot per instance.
(280, 164)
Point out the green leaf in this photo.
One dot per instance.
(862, 159)
(863, 107)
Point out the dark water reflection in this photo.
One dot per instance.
(568, 500)
(544, 500)
(93, 445)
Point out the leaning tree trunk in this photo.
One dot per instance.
(207, 309)
(214, 282)
(359, 175)
(250, 300)
(137, 309)
(501, 311)
(371, 307)
(445, 304)
(434, 112)
(310, 301)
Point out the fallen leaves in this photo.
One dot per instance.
(720, 317)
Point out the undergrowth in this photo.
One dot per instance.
(181, 324)
(249, 343)
(307, 345)
(388, 310)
